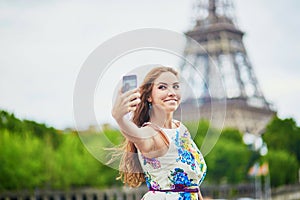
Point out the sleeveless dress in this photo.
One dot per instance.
(182, 166)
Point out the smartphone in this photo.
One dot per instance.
(129, 82)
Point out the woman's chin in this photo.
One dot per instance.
(172, 108)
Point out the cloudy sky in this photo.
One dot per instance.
(45, 43)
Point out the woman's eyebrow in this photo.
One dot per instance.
(161, 83)
(175, 83)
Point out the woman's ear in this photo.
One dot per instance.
(149, 99)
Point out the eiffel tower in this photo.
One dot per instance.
(242, 104)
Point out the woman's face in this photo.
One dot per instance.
(165, 92)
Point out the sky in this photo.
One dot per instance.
(44, 44)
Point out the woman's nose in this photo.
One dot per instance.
(171, 92)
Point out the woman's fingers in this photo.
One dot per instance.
(134, 102)
(126, 102)
(134, 96)
(131, 96)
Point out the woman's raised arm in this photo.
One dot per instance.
(146, 138)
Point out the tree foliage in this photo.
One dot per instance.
(16, 126)
(283, 134)
(222, 162)
(283, 167)
(33, 155)
(230, 159)
(283, 139)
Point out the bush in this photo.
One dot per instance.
(283, 167)
(29, 162)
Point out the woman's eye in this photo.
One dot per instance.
(176, 87)
(162, 87)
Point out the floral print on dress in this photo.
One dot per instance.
(180, 179)
(182, 166)
(185, 150)
(187, 196)
(154, 162)
(189, 153)
(150, 182)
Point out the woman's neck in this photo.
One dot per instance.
(162, 120)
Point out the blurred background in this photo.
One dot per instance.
(44, 44)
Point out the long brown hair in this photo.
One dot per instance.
(130, 169)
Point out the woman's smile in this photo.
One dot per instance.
(171, 100)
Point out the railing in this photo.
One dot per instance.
(286, 192)
(229, 191)
(222, 191)
(78, 194)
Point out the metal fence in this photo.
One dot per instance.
(214, 192)
(76, 194)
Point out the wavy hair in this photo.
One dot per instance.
(130, 169)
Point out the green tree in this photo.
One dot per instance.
(283, 138)
(21, 161)
(33, 155)
(16, 126)
(283, 167)
(75, 166)
(228, 160)
(233, 135)
(283, 134)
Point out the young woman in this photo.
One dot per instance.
(158, 149)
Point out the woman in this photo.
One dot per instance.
(158, 149)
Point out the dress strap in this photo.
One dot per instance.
(159, 130)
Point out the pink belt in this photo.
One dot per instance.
(178, 188)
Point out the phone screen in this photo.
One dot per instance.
(129, 83)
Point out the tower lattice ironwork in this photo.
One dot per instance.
(223, 55)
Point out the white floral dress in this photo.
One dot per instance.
(183, 166)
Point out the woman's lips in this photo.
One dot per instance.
(175, 100)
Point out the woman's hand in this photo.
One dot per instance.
(125, 103)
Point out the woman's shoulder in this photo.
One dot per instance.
(183, 130)
(152, 125)
(179, 124)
